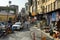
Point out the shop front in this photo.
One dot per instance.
(53, 20)
(39, 17)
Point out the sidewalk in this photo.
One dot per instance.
(39, 34)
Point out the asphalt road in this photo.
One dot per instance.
(18, 35)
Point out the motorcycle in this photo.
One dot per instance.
(2, 32)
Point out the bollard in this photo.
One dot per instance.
(34, 36)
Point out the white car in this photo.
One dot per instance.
(17, 26)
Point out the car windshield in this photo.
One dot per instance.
(17, 23)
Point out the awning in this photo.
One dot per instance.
(33, 13)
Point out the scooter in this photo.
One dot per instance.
(1, 33)
(9, 30)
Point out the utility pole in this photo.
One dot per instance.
(8, 11)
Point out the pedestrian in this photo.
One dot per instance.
(58, 28)
(27, 24)
(58, 25)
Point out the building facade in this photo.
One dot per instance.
(23, 13)
(51, 10)
(32, 7)
(39, 4)
(7, 12)
(35, 6)
(27, 8)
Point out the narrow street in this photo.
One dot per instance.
(18, 35)
(30, 20)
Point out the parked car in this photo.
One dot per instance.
(2, 29)
(4, 23)
(17, 26)
(2, 26)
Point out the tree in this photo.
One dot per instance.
(10, 19)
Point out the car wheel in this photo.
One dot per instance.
(19, 29)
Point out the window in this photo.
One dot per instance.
(31, 2)
(47, 0)
(51, 6)
(32, 8)
(0, 10)
(48, 8)
(43, 1)
(54, 5)
(58, 0)
(26, 7)
(38, 2)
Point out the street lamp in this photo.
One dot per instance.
(8, 11)
(9, 2)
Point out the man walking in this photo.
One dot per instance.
(58, 28)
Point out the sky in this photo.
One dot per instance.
(20, 3)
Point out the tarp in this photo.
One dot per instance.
(54, 16)
(33, 13)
